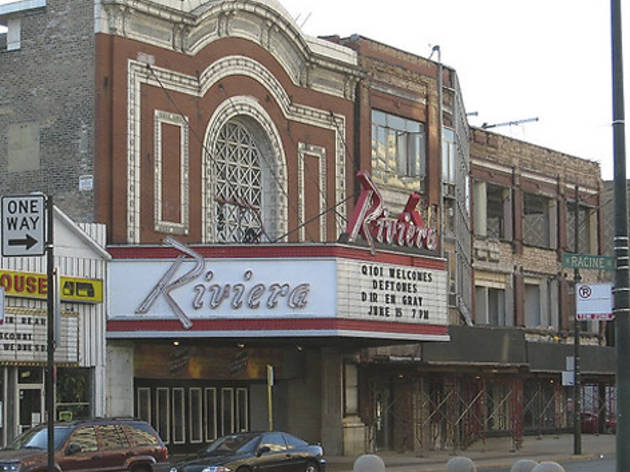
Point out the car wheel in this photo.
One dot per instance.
(140, 468)
(311, 467)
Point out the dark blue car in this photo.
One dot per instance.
(271, 451)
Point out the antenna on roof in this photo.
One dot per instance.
(508, 123)
(306, 19)
(435, 48)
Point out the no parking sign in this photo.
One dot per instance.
(593, 302)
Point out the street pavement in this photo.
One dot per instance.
(493, 453)
(595, 465)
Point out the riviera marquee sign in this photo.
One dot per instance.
(244, 296)
(387, 292)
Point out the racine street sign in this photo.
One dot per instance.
(587, 261)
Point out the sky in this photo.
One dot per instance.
(516, 60)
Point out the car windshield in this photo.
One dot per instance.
(37, 438)
(232, 444)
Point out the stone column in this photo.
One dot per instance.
(332, 401)
(119, 390)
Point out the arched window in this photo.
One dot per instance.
(238, 196)
(245, 176)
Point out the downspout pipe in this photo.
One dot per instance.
(436, 48)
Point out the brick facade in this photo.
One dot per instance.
(406, 85)
(47, 107)
(526, 168)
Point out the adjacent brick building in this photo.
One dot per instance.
(507, 218)
(47, 103)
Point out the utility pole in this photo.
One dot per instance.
(50, 374)
(35, 239)
(577, 393)
(620, 291)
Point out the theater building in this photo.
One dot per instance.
(303, 310)
(227, 176)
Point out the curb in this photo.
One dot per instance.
(437, 464)
(505, 463)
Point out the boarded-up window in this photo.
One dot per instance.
(532, 306)
(587, 234)
(23, 147)
(499, 212)
(538, 221)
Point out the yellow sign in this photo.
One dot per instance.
(73, 289)
(30, 285)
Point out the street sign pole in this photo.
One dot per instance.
(50, 377)
(27, 230)
(270, 396)
(577, 400)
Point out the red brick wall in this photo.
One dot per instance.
(112, 139)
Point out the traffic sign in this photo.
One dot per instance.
(587, 261)
(23, 225)
(594, 317)
(568, 378)
(594, 302)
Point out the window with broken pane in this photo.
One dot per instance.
(398, 150)
(584, 228)
(495, 211)
(536, 220)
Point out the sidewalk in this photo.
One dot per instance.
(495, 452)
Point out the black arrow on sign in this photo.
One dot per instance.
(28, 241)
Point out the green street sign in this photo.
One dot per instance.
(587, 261)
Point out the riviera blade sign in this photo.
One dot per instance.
(23, 225)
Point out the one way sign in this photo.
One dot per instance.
(23, 225)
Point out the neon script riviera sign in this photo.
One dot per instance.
(371, 220)
(248, 294)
